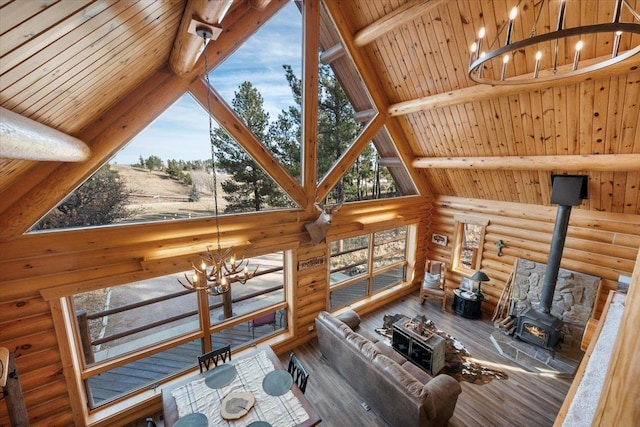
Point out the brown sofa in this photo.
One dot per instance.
(394, 388)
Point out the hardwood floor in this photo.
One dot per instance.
(525, 399)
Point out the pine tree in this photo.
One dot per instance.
(194, 194)
(99, 200)
(337, 129)
(249, 187)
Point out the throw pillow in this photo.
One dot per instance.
(431, 280)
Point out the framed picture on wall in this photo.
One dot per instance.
(439, 239)
(466, 284)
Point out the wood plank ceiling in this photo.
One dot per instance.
(429, 55)
(64, 63)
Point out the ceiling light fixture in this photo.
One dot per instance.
(219, 269)
(547, 56)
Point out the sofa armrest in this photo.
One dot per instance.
(443, 390)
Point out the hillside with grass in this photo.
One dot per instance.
(157, 196)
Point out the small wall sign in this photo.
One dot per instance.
(311, 262)
(439, 239)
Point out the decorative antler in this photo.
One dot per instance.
(222, 274)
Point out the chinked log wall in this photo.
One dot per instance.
(601, 244)
(81, 260)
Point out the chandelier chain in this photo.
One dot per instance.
(211, 140)
(224, 268)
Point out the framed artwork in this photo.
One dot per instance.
(466, 284)
(439, 239)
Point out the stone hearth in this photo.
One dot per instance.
(562, 362)
(573, 299)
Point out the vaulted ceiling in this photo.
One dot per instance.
(66, 64)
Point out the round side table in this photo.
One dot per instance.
(467, 304)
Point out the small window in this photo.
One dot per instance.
(366, 264)
(469, 240)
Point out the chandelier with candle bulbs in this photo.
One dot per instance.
(218, 269)
(541, 56)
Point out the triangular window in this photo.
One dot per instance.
(377, 173)
(345, 111)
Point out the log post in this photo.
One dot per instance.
(85, 337)
(16, 407)
(226, 304)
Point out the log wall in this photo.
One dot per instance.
(602, 244)
(80, 260)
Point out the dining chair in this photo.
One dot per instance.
(298, 372)
(150, 422)
(267, 319)
(433, 284)
(222, 353)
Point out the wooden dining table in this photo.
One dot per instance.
(202, 394)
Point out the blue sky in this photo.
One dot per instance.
(182, 133)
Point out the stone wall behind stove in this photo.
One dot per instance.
(573, 298)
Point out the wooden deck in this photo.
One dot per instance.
(147, 372)
(525, 399)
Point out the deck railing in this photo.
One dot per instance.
(83, 318)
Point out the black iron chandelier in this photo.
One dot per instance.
(547, 56)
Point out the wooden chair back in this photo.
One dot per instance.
(220, 354)
(298, 372)
(435, 268)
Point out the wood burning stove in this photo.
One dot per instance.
(537, 326)
(541, 329)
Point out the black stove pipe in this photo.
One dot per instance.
(555, 256)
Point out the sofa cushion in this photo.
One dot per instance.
(350, 318)
(417, 372)
(388, 351)
(368, 335)
(362, 344)
(396, 373)
(334, 324)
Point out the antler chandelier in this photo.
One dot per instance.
(555, 54)
(217, 270)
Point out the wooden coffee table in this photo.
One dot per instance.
(425, 349)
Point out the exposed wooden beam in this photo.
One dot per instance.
(586, 162)
(311, 17)
(26, 139)
(188, 46)
(390, 162)
(405, 13)
(364, 115)
(483, 92)
(331, 54)
(259, 4)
